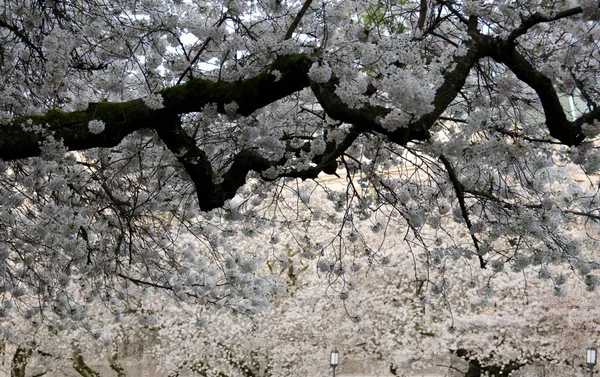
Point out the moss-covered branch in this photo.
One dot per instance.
(22, 139)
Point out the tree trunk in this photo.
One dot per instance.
(19, 361)
(80, 366)
(477, 370)
(114, 362)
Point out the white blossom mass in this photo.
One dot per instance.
(206, 151)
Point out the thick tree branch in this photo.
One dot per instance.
(538, 18)
(213, 195)
(195, 162)
(324, 162)
(297, 19)
(368, 118)
(422, 15)
(193, 159)
(569, 133)
(22, 139)
(19, 140)
(454, 80)
(250, 94)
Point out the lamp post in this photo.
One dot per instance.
(334, 359)
(590, 356)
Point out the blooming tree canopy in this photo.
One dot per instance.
(138, 138)
(391, 322)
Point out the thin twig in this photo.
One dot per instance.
(458, 188)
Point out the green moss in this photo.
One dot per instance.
(176, 94)
(287, 62)
(109, 112)
(117, 112)
(249, 94)
(194, 94)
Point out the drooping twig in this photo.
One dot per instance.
(458, 189)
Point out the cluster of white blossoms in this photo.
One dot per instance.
(320, 72)
(434, 311)
(96, 126)
(416, 101)
(395, 119)
(451, 158)
(471, 7)
(277, 74)
(154, 101)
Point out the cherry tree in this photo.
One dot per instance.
(140, 137)
(384, 327)
(395, 311)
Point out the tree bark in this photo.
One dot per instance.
(114, 362)
(80, 366)
(24, 136)
(19, 361)
(476, 369)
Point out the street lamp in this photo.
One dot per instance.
(590, 355)
(334, 359)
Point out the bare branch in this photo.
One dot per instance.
(144, 282)
(538, 18)
(114, 361)
(197, 56)
(422, 15)
(458, 189)
(297, 19)
(21, 35)
(508, 205)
